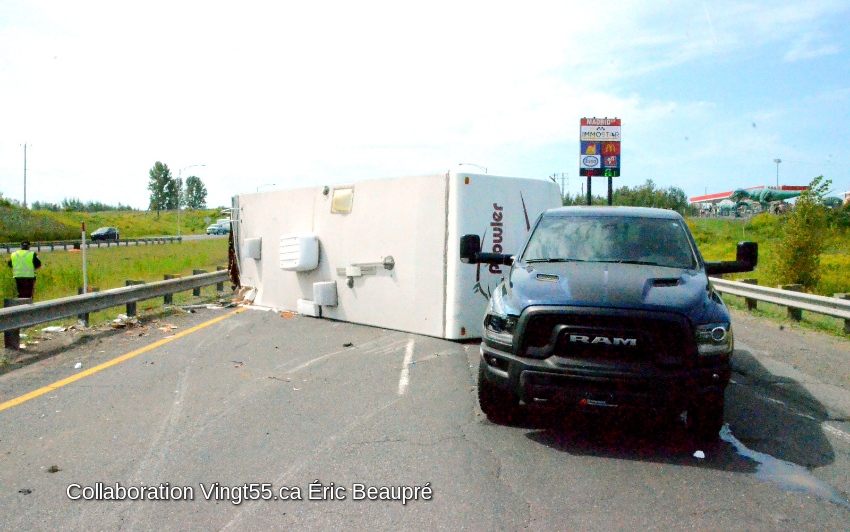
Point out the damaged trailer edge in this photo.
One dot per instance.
(384, 252)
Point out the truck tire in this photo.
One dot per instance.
(705, 417)
(500, 406)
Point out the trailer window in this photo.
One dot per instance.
(342, 201)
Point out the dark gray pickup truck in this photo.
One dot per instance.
(608, 308)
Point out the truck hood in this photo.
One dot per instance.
(607, 285)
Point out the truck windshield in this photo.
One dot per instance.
(622, 239)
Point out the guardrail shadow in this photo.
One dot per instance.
(774, 427)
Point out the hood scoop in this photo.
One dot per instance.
(548, 278)
(666, 282)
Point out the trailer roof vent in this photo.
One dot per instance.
(342, 200)
(299, 252)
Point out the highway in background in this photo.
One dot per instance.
(45, 246)
(275, 399)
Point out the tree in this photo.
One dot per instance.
(196, 193)
(646, 195)
(173, 193)
(797, 256)
(160, 186)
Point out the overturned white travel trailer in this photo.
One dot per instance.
(386, 252)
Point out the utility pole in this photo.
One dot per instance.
(25, 175)
(564, 181)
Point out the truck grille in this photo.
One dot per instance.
(606, 337)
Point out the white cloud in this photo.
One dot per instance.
(807, 47)
(290, 92)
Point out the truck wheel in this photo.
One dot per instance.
(500, 406)
(705, 417)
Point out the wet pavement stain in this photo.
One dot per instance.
(789, 476)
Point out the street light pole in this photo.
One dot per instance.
(777, 161)
(475, 165)
(25, 175)
(179, 188)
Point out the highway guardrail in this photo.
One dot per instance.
(27, 315)
(795, 302)
(75, 244)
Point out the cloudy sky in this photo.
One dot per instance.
(310, 93)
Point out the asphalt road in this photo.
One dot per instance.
(260, 397)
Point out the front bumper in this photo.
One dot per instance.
(561, 382)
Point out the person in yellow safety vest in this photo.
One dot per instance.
(24, 263)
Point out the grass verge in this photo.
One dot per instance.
(61, 274)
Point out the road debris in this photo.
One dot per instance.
(53, 329)
(238, 363)
(53, 469)
(78, 365)
(699, 454)
(287, 314)
(348, 344)
(167, 328)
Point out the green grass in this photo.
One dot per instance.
(61, 272)
(717, 240)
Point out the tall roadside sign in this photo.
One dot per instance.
(600, 151)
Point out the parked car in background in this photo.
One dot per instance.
(216, 229)
(105, 233)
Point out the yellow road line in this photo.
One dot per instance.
(58, 384)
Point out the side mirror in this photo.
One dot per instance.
(746, 259)
(748, 254)
(470, 247)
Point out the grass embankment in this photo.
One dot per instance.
(18, 224)
(61, 273)
(717, 240)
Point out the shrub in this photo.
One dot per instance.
(797, 255)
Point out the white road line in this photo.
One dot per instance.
(836, 432)
(404, 380)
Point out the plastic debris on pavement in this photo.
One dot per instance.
(53, 329)
(699, 454)
(78, 365)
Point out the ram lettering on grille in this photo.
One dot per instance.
(626, 342)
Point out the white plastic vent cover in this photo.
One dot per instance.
(299, 252)
(253, 248)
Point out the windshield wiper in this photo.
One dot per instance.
(529, 261)
(644, 262)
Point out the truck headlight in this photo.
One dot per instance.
(714, 339)
(500, 328)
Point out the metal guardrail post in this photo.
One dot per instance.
(197, 291)
(220, 286)
(846, 320)
(12, 338)
(793, 313)
(131, 306)
(84, 318)
(168, 299)
(752, 304)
